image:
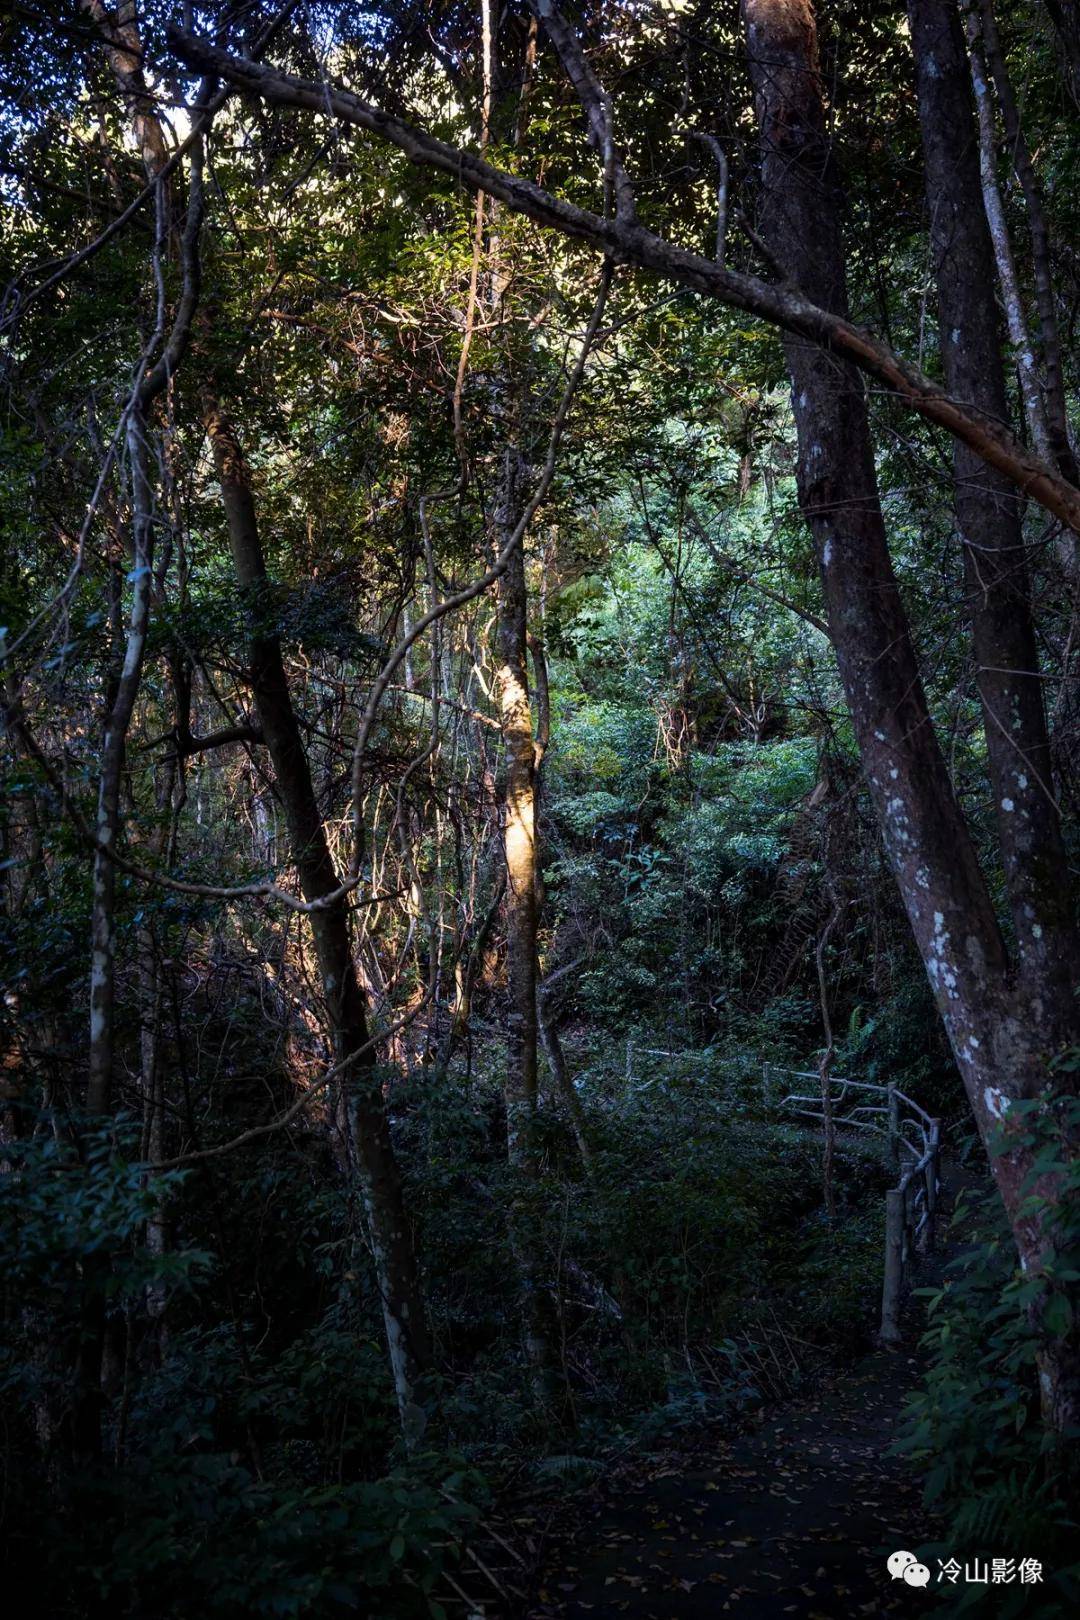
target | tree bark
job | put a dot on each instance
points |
(360, 1111)
(107, 824)
(564, 1084)
(999, 1046)
(519, 839)
(519, 845)
(989, 514)
(547, 1022)
(170, 794)
(123, 48)
(361, 1115)
(1053, 383)
(994, 207)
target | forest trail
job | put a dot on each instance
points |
(794, 1519)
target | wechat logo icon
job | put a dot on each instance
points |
(904, 1566)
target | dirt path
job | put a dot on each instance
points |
(796, 1519)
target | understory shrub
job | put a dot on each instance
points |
(1002, 1487)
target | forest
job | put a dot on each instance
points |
(539, 786)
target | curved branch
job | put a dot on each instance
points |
(631, 243)
(595, 103)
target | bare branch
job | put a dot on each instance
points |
(630, 243)
(289, 1114)
(719, 157)
(596, 106)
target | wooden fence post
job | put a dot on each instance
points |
(911, 1203)
(932, 1185)
(894, 1267)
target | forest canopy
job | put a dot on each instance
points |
(541, 753)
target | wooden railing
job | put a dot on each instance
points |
(913, 1138)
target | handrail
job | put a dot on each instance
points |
(910, 1219)
(889, 1089)
(910, 1205)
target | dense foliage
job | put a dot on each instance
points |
(441, 776)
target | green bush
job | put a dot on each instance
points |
(1001, 1486)
(228, 1484)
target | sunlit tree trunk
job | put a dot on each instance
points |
(519, 843)
(519, 839)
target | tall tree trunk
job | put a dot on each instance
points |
(519, 842)
(169, 797)
(83, 1422)
(989, 518)
(1015, 315)
(120, 33)
(996, 1037)
(124, 52)
(519, 838)
(361, 1114)
(547, 1022)
(110, 781)
(1049, 334)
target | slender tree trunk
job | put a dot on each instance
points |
(989, 513)
(519, 843)
(1049, 334)
(467, 968)
(83, 1422)
(546, 1022)
(169, 795)
(519, 833)
(828, 1123)
(564, 1085)
(110, 781)
(361, 1116)
(997, 1034)
(152, 1086)
(124, 52)
(994, 207)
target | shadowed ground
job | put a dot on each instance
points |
(796, 1519)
